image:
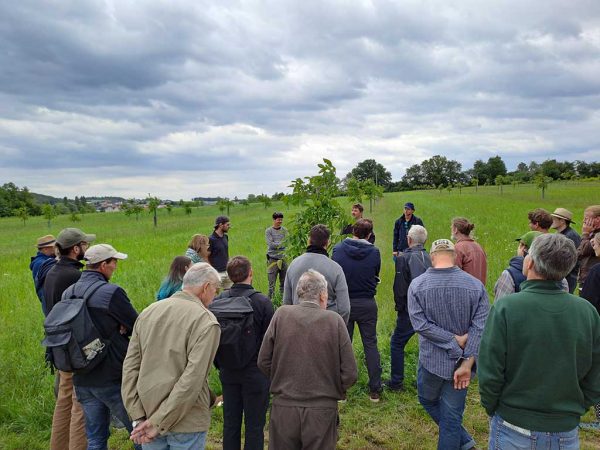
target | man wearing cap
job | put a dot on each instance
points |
(99, 391)
(68, 427)
(539, 363)
(219, 249)
(41, 264)
(401, 227)
(561, 222)
(447, 308)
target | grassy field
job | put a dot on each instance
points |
(398, 422)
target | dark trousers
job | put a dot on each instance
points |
(363, 312)
(298, 428)
(400, 338)
(246, 393)
(273, 270)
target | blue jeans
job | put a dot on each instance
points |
(505, 436)
(98, 403)
(402, 334)
(178, 441)
(445, 405)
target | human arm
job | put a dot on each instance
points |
(288, 292)
(478, 319)
(590, 384)
(462, 375)
(429, 330)
(265, 354)
(591, 287)
(348, 368)
(201, 349)
(585, 245)
(342, 298)
(271, 245)
(396, 237)
(492, 360)
(504, 286)
(401, 284)
(121, 309)
(131, 371)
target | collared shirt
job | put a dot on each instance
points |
(444, 303)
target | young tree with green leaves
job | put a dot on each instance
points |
(265, 200)
(22, 213)
(541, 181)
(153, 203)
(49, 213)
(354, 190)
(372, 192)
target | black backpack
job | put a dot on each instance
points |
(73, 343)
(239, 342)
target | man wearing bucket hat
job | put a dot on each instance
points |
(68, 427)
(561, 222)
(41, 264)
(448, 308)
(99, 390)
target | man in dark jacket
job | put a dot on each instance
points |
(219, 249)
(68, 427)
(409, 265)
(245, 390)
(401, 227)
(357, 214)
(561, 222)
(41, 263)
(360, 260)
(99, 390)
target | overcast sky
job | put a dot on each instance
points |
(195, 98)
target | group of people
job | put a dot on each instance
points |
(536, 351)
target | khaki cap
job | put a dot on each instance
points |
(73, 236)
(102, 252)
(442, 245)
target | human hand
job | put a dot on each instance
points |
(144, 433)
(462, 376)
(394, 253)
(462, 340)
(587, 226)
(218, 401)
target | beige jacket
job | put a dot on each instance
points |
(165, 372)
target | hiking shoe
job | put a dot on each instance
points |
(393, 387)
(590, 426)
(375, 397)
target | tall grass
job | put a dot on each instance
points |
(398, 422)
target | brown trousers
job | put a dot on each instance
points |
(68, 422)
(297, 428)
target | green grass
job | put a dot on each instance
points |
(397, 422)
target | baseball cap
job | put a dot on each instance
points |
(102, 252)
(72, 236)
(46, 241)
(409, 205)
(221, 219)
(528, 238)
(442, 245)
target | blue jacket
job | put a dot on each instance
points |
(361, 262)
(40, 265)
(401, 227)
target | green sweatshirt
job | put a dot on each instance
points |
(539, 358)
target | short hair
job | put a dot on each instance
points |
(362, 228)
(199, 274)
(319, 235)
(553, 255)
(541, 217)
(310, 286)
(358, 206)
(418, 234)
(65, 251)
(462, 225)
(277, 215)
(238, 268)
(198, 241)
(594, 209)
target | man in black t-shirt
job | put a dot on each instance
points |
(219, 249)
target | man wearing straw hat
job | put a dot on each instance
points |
(41, 263)
(561, 222)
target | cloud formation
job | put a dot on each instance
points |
(230, 98)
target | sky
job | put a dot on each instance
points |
(182, 99)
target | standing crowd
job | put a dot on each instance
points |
(536, 351)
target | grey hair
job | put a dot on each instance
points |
(310, 286)
(553, 255)
(418, 234)
(199, 274)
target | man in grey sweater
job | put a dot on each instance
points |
(276, 263)
(316, 258)
(308, 375)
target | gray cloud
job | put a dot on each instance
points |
(235, 97)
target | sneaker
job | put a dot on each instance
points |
(393, 387)
(375, 397)
(590, 426)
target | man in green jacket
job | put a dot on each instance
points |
(539, 358)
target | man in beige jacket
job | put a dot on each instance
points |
(165, 388)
